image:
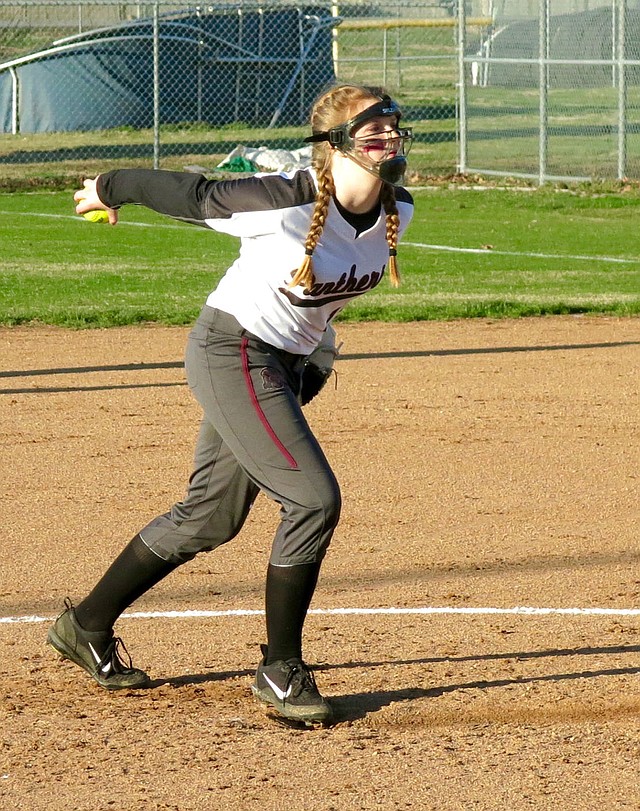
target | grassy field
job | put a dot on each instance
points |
(468, 253)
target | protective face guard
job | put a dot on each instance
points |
(389, 167)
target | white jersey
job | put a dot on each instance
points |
(271, 215)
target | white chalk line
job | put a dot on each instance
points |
(83, 222)
(531, 254)
(427, 246)
(242, 612)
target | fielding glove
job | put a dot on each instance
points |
(318, 366)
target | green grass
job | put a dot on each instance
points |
(59, 269)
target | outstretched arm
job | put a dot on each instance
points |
(194, 198)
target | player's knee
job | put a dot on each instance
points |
(323, 520)
(330, 506)
(306, 530)
(179, 541)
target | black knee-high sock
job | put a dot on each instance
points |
(288, 596)
(133, 572)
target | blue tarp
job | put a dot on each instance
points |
(214, 69)
(6, 95)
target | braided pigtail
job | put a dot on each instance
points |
(388, 198)
(304, 274)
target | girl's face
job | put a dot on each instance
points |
(376, 144)
(377, 139)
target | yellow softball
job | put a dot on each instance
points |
(96, 216)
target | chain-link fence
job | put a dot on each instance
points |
(542, 89)
(86, 85)
(553, 91)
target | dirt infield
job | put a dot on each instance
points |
(483, 465)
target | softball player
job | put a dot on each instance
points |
(310, 241)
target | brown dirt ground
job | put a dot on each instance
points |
(483, 464)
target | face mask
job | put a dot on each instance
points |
(384, 153)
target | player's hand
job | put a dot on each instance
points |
(87, 199)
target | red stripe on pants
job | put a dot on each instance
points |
(261, 415)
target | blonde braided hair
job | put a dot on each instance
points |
(326, 190)
(330, 110)
(388, 198)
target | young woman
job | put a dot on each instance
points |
(310, 242)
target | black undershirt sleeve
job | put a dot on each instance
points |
(194, 198)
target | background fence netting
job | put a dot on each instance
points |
(543, 89)
(90, 84)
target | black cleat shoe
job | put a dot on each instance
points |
(290, 689)
(97, 652)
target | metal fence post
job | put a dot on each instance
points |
(543, 81)
(335, 45)
(462, 91)
(385, 32)
(156, 86)
(614, 43)
(622, 89)
(15, 105)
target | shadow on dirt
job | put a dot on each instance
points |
(136, 367)
(190, 679)
(355, 706)
(358, 705)
(488, 657)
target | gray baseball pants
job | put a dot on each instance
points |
(253, 437)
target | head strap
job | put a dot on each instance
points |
(338, 135)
